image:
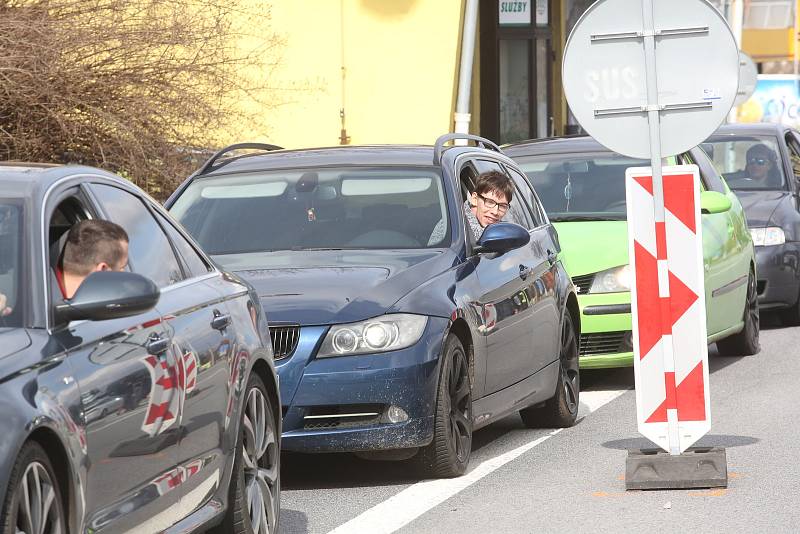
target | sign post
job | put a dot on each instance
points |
(651, 79)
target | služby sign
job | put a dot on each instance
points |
(518, 12)
(514, 12)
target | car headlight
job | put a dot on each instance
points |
(381, 334)
(614, 280)
(765, 237)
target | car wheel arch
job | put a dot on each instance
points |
(460, 328)
(56, 452)
(574, 310)
(262, 369)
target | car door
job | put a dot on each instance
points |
(508, 285)
(793, 142)
(196, 321)
(545, 332)
(209, 435)
(725, 260)
(130, 432)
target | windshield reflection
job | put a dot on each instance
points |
(581, 187)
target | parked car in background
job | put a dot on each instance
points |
(147, 401)
(394, 331)
(761, 163)
(582, 187)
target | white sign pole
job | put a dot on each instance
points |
(658, 195)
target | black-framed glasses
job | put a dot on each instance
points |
(492, 204)
(757, 161)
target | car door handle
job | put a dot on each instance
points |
(157, 345)
(552, 257)
(524, 271)
(220, 321)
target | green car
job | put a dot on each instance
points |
(582, 186)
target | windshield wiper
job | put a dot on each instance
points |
(573, 218)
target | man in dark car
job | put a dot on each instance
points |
(761, 168)
(92, 245)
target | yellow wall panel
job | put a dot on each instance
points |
(401, 64)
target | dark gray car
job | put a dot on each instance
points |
(761, 164)
(148, 401)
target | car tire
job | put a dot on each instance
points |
(791, 316)
(561, 410)
(33, 472)
(745, 343)
(254, 494)
(448, 454)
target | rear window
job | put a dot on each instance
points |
(10, 265)
(313, 209)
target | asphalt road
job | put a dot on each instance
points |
(527, 481)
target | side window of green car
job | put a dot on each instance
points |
(709, 178)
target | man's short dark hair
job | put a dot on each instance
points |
(760, 149)
(494, 181)
(91, 242)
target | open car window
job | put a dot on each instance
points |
(11, 232)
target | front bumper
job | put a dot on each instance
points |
(605, 330)
(778, 275)
(342, 404)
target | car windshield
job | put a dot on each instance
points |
(10, 258)
(313, 209)
(747, 162)
(580, 187)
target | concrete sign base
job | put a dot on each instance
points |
(697, 467)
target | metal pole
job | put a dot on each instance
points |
(462, 116)
(658, 199)
(736, 21)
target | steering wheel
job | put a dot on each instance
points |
(384, 239)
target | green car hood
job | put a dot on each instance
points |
(592, 246)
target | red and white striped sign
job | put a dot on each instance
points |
(669, 319)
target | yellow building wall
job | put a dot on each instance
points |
(769, 44)
(400, 62)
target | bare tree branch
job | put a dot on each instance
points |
(135, 86)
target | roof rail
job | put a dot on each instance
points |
(439, 147)
(207, 166)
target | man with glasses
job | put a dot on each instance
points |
(487, 204)
(762, 167)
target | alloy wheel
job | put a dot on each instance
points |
(38, 511)
(260, 458)
(752, 307)
(460, 406)
(568, 363)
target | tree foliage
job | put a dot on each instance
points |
(140, 87)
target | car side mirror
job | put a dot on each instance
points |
(109, 295)
(502, 237)
(714, 202)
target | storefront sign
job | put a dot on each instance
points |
(776, 99)
(515, 12)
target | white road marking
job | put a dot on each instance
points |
(399, 510)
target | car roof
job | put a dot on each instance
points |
(751, 128)
(555, 145)
(420, 155)
(18, 179)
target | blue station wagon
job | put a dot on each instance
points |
(395, 333)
